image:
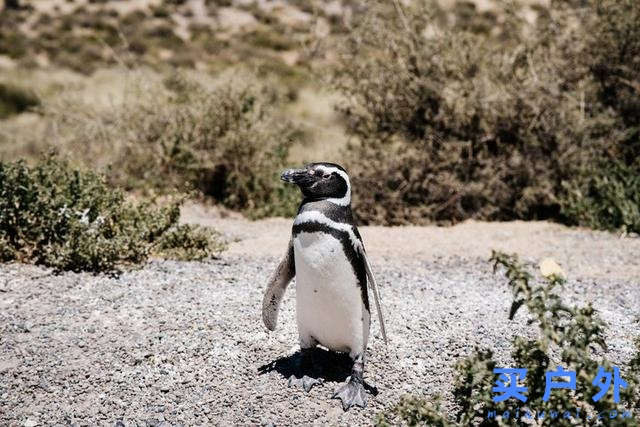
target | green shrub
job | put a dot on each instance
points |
(188, 242)
(572, 335)
(606, 197)
(70, 219)
(14, 100)
(451, 122)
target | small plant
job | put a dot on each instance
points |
(606, 196)
(188, 242)
(569, 336)
(69, 219)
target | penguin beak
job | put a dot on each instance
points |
(295, 176)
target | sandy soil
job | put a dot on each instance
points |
(582, 253)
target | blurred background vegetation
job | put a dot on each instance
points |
(440, 110)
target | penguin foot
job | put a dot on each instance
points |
(306, 382)
(351, 394)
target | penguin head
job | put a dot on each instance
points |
(321, 181)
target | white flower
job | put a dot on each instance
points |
(548, 268)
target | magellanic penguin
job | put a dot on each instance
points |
(328, 259)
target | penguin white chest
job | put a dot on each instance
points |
(328, 297)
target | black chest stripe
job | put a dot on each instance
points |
(332, 211)
(355, 259)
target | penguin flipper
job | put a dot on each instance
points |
(275, 288)
(376, 296)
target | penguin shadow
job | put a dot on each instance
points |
(327, 365)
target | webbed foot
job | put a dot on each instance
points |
(306, 382)
(351, 394)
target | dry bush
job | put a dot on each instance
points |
(15, 99)
(606, 193)
(225, 139)
(453, 123)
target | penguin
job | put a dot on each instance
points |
(328, 259)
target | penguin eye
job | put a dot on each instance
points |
(326, 176)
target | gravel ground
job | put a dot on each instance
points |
(183, 342)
